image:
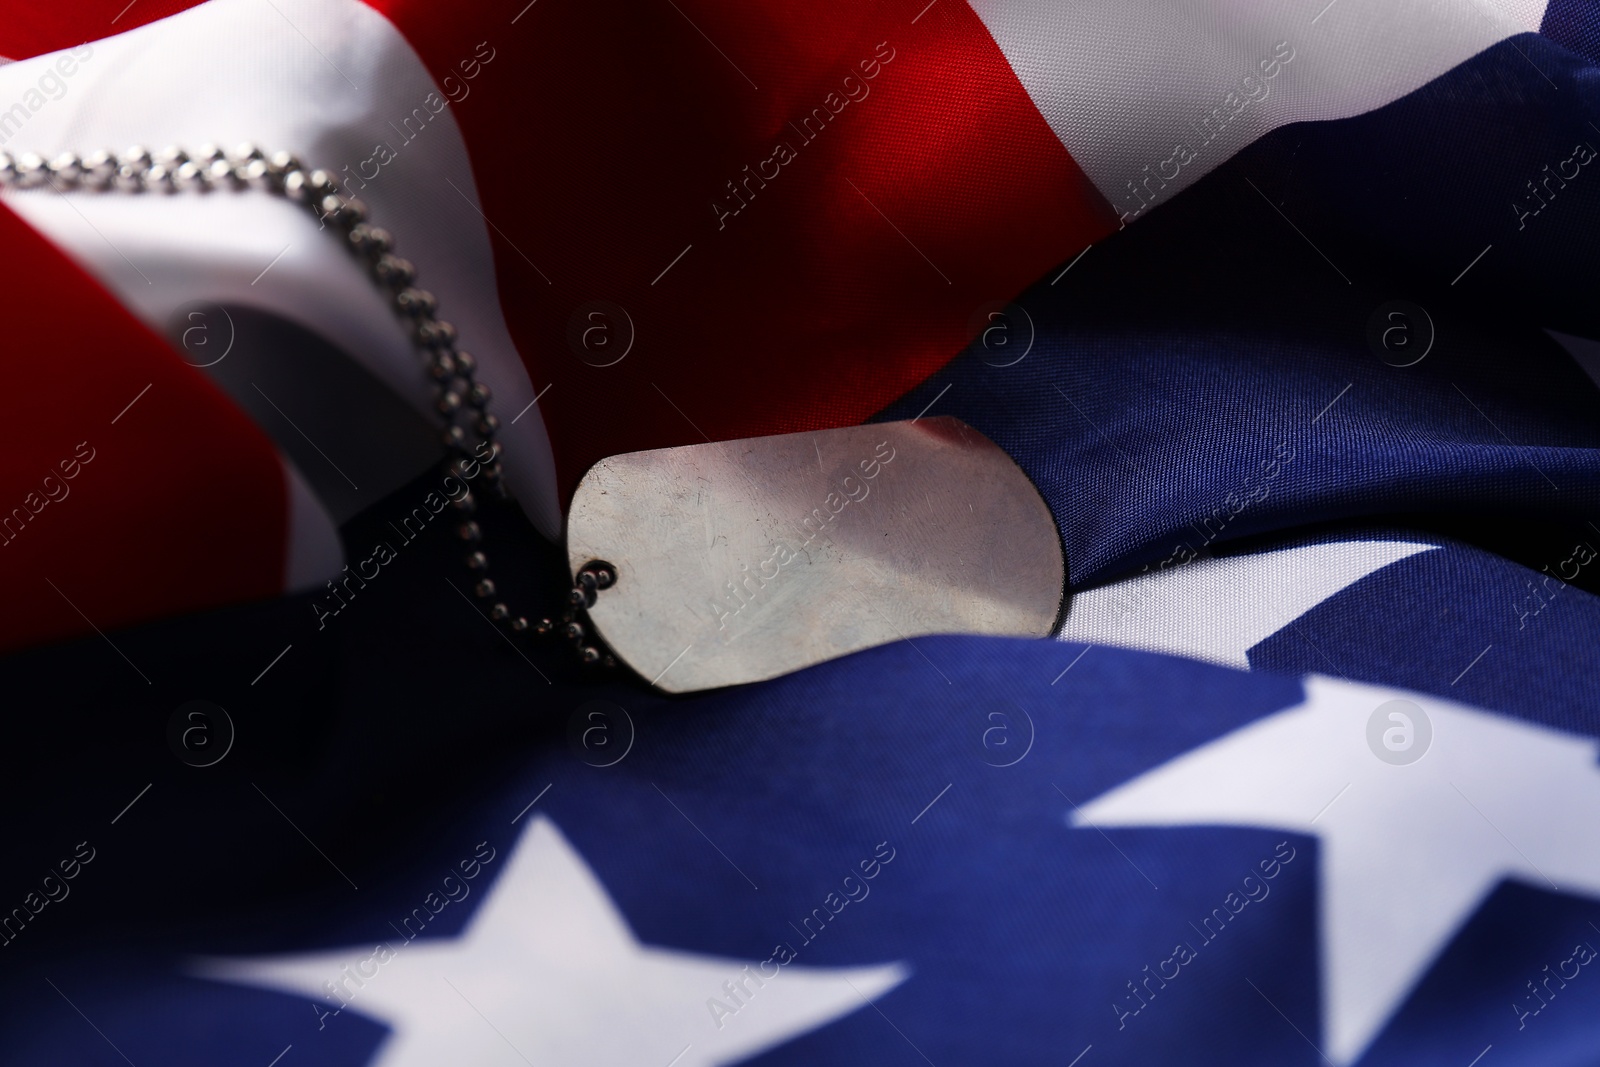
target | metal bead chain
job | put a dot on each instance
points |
(459, 399)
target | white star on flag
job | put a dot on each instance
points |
(547, 971)
(1408, 852)
(1217, 609)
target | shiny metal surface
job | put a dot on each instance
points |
(743, 560)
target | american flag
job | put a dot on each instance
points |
(1287, 309)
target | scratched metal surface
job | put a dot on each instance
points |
(743, 560)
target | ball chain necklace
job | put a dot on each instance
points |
(458, 396)
(723, 563)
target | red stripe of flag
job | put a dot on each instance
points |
(604, 136)
(131, 488)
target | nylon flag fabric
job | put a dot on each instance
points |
(1287, 309)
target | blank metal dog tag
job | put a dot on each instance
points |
(743, 560)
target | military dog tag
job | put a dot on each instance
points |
(743, 560)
